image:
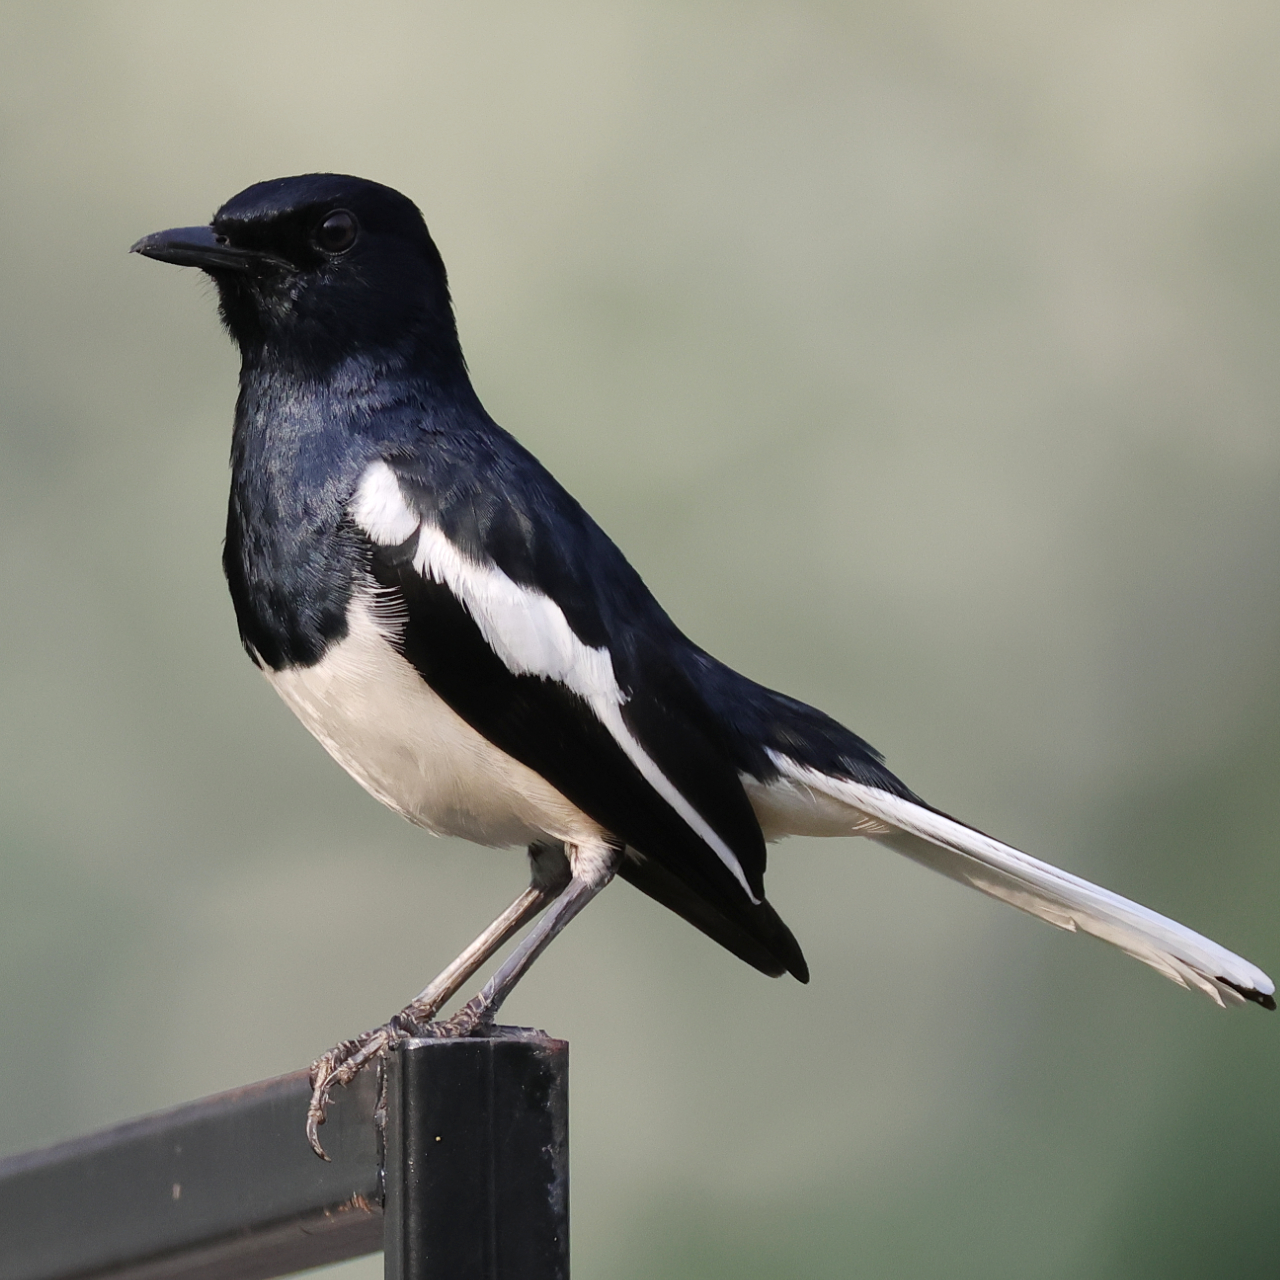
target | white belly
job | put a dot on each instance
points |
(384, 725)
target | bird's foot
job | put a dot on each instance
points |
(474, 1018)
(345, 1061)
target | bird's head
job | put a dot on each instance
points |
(320, 268)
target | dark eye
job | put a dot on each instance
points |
(337, 232)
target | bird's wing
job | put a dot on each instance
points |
(523, 617)
(975, 859)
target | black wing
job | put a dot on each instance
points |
(654, 765)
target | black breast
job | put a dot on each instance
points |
(291, 558)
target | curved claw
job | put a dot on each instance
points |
(323, 1070)
(315, 1118)
(340, 1066)
(321, 1075)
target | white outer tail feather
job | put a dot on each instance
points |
(1062, 899)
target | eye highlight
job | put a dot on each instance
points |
(336, 233)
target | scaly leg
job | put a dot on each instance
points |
(549, 875)
(590, 874)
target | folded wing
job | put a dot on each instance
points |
(560, 662)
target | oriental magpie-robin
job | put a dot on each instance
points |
(470, 646)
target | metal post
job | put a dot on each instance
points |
(477, 1159)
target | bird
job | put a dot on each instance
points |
(471, 647)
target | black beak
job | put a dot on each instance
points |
(202, 247)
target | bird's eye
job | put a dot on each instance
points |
(337, 232)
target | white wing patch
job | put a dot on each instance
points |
(526, 629)
(379, 507)
(1062, 899)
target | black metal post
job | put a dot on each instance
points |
(477, 1159)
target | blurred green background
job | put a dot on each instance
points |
(923, 357)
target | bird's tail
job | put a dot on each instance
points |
(975, 859)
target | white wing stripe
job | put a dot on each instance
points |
(527, 630)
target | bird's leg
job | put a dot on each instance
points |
(592, 871)
(549, 876)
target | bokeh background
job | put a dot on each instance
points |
(923, 357)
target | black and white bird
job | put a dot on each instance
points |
(471, 647)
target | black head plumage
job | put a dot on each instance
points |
(320, 268)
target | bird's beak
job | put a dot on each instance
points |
(202, 247)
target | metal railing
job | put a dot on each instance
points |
(466, 1177)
